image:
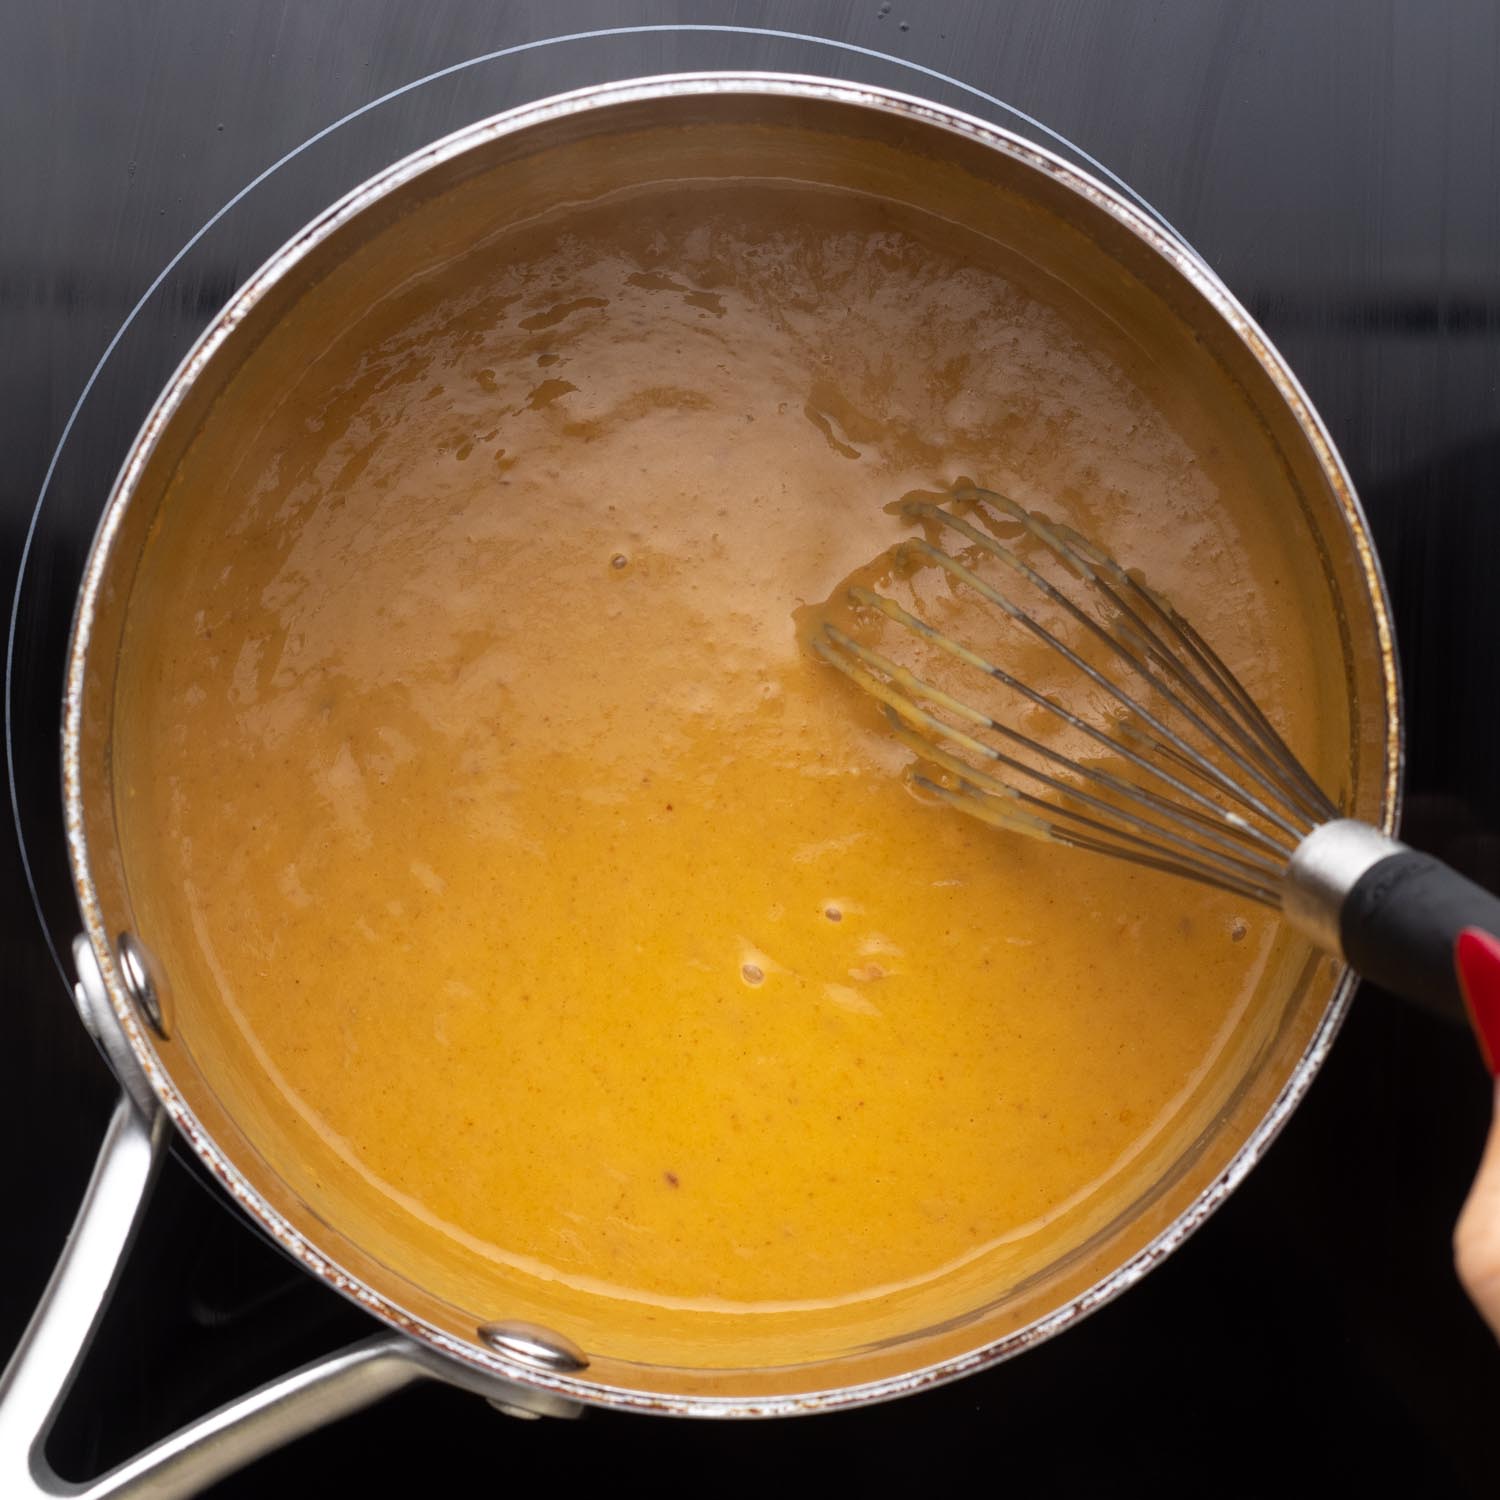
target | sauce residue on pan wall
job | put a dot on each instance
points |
(541, 899)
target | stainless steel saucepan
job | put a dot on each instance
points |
(652, 130)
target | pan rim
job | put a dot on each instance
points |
(1179, 257)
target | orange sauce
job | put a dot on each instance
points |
(549, 903)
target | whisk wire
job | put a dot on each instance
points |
(917, 688)
(1241, 715)
(1261, 758)
(1203, 766)
(1234, 862)
(1144, 854)
(1228, 811)
(1281, 760)
(996, 549)
(900, 691)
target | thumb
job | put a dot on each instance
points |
(1476, 1239)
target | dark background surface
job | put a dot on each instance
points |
(1338, 164)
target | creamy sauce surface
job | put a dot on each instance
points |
(502, 836)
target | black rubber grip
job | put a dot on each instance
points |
(1402, 918)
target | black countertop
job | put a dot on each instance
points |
(1337, 163)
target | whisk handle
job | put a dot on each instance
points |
(1404, 920)
(1402, 926)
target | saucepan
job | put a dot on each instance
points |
(568, 148)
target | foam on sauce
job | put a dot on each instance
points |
(571, 936)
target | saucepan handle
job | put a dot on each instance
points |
(44, 1364)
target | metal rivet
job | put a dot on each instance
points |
(531, 1344)
(521, 1413)
(138, 972)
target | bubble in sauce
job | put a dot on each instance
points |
(833, 914)
(752, 973)
(619, 560)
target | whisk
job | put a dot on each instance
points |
(1139, 743)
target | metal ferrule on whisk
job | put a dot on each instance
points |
(1325, 867)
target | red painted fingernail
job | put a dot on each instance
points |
(1476, 956)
